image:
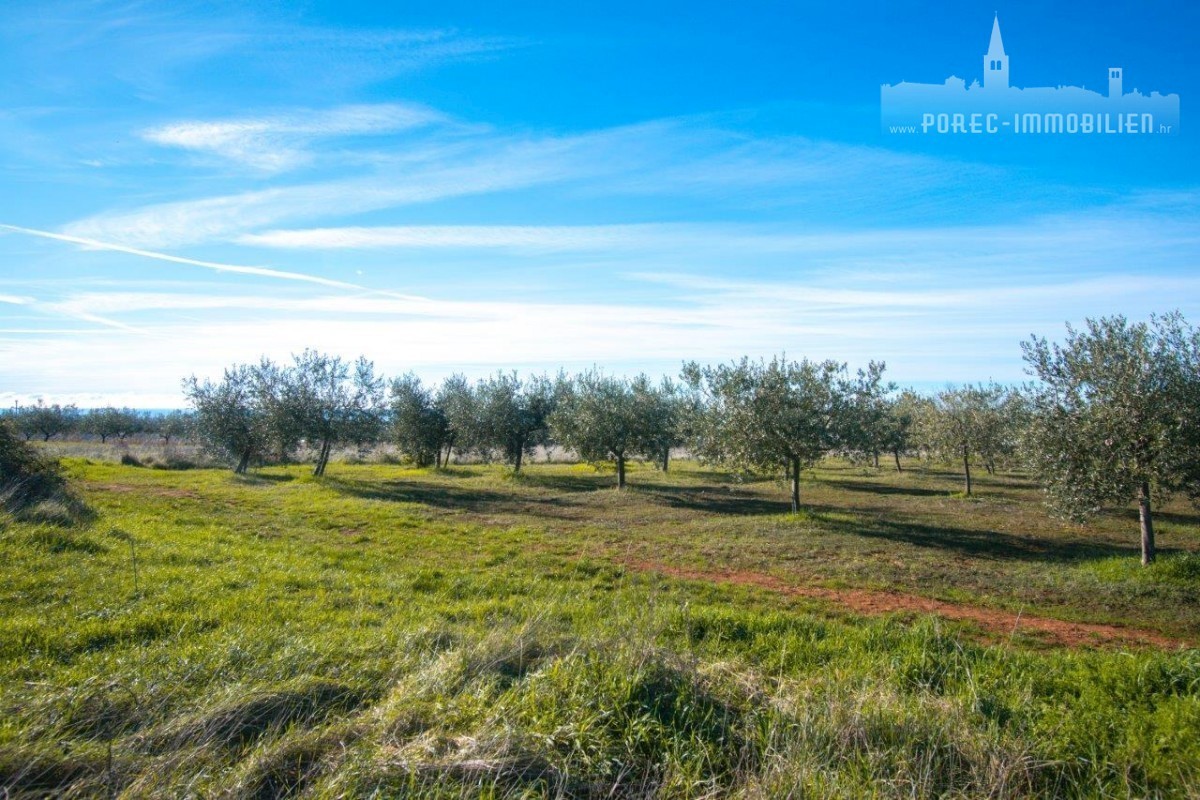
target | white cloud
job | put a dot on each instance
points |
(279, 142)
(448, 171)
(1000, 294)
(60, 46)
(708, 302)
(1080, 237)
(925, 334)
(517, 237)
(665, 158)
(80, 313)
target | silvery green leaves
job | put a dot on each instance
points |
(769, 416)
(1115, 416)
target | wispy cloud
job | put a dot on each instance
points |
(279, 142)
(815, 298)
(700, 318)
(692, 162)
(1111, 242)
(453, 170)
(517, 237)
(79, 312)
(662, 158)
(340, 55)
(1098, 236)
(157, 47)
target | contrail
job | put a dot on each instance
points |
(214, 265)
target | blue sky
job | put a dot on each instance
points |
(459, 186)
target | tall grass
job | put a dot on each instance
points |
(288, 637)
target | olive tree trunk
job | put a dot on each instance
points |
(794, 469)
(1147, 523)
(967, 469)
(323, 458)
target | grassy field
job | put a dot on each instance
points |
(391, 632)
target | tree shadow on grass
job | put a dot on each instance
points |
(884, 488)
(574, 482)
(456, 471)
(571, 503)
(263, 478)
(718, 501)
(719, 477)
(472, 499)
(976, 543)
(1026, 484)
(1175, 517)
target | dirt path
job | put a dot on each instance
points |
(1000, 623)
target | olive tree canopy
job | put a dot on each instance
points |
(603, 418)
(418, 423)
(44, 420)
(966, 423)
(230, 415)
(513, 413)
(1116, 415)
(330, 401)
(318, 399)
(769, 416)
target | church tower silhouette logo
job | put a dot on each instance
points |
(996, 107)
(995, 62)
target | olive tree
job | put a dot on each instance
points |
(459, 404)
(283, 414)
(108, 421)
(46, 421)
(230, 415)
(1003, 427)
(331, 401)
(418, 424)
(964, 423)
(602, 418)
(865, 424)
(899, 423)
(512, 413)
(769, 416)
(1114, 416)
(667, 410)
(174, 425)
(19, 421)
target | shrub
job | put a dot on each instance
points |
(26, 477)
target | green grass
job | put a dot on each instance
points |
(396, 633)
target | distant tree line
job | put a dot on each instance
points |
(1113, 415)
(43, 422)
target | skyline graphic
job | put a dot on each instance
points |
(996, 106)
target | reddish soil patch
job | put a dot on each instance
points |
(994, 621)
